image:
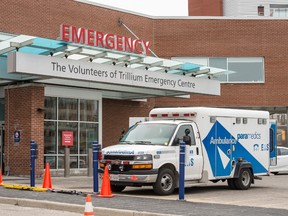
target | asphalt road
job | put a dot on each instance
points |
(266, 197)
(270, 192)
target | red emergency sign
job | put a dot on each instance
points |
(67, 138)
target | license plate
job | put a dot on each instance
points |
(114, 177)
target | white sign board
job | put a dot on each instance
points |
(49, 66)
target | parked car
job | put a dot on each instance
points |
(282, 161)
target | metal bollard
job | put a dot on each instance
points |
(182, 170)
(32, 162)
(90, 163)
(96, 148)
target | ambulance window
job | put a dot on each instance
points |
(245, 120)
(238, 120)
(181, 133)
(212, 119)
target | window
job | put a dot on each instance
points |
(279, 10)
(69, 114)
(245, 120)
(283, 151)
(260, 10)
(181, 133)
(235, 69)
(238, 120)
(2, 109)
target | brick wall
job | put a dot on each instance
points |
(21, 114)
(205, 8)
(169, 37)
(116, 115)
(230, 38)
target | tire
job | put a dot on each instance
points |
(117, 188)
(165, 183)
(245, 179)
(231, 184)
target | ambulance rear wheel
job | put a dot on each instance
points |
(117, 188)
(165, 183)
(245, 179)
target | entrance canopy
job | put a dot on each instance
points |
(118, 75)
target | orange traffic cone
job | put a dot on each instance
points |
(88, 206)
(47, 183)
(1, 177)
(106, 187)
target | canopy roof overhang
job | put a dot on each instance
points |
(105, 57)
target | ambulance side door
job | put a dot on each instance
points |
(193, 152)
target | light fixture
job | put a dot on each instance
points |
(146, 68)
(184, 73)
(90, 59)
(40, 109)
(66, 56)
(126, 65)
(114, 63)
(120, 21)
(166, 71)
(51, 53)
(17, 49)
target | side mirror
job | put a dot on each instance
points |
(122, 134)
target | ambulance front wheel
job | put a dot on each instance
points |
(245, 179)
(165, 183)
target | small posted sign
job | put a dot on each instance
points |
(67, 138)
(17, 136)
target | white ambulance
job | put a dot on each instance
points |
(221, 144)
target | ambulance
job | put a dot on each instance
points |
(221, 144)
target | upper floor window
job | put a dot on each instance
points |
(279, 10)
(235, 69)
(260, 10)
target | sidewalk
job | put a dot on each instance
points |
(78, 183)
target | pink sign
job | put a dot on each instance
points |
(67, 138)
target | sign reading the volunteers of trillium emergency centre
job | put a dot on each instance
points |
(49, 66)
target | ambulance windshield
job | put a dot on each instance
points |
(149, 134)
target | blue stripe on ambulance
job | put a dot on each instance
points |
(220, 160)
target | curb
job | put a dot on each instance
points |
(98, 211)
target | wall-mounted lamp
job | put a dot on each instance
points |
(51, 53)
(114, 63)
(90, 59)
(166, 71)
(17, 49)
(120, 21)
(66, 56)
(40, 109)
(184, 73)
(126, 65)
(146, 68)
